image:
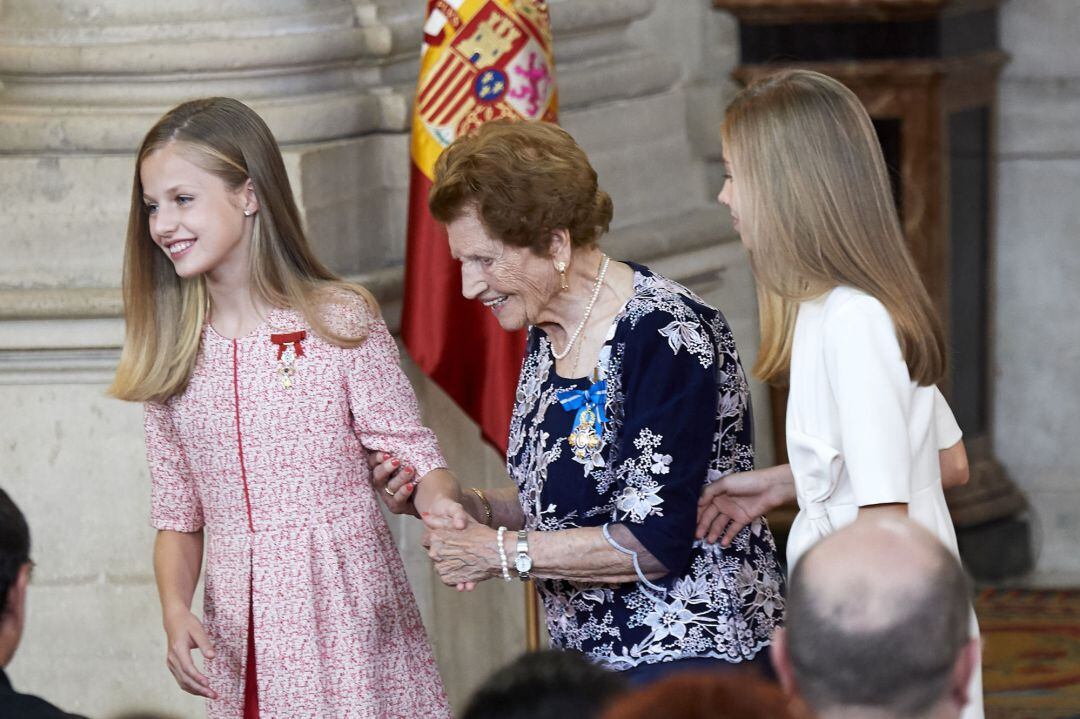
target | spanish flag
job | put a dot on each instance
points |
(481, 60)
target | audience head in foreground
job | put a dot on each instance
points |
(14, 576)
(706, 696)
(878, 625)
(551, 684)
(15, 568)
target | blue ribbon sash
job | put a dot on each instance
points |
(586, 400)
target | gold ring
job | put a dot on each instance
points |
(388, 491)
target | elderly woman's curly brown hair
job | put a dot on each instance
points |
(525, 180)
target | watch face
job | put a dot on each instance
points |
(523, 563)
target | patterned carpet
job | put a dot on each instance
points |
(1031, 656)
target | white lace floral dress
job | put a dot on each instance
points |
(676, 415)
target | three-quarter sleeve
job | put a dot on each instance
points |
(174, 499)
(669, 384)
(872, 387)
(386, 415)
(945, 426)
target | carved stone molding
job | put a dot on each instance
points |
(92, 77)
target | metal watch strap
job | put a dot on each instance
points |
(523, 551)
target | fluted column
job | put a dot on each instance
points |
(80, 84)
(91, 76)
(83, 81)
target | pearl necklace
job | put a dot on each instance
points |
(588, 310)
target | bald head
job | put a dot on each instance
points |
(869, 574)
(877, 616)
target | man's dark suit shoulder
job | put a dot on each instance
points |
(26, 706)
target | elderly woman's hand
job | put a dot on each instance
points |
(463, 555)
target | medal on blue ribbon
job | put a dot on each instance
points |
(589, 420)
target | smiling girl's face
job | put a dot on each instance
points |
(195, 218)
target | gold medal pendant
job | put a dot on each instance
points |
(584, 440)
(286, 373)
(287, 367)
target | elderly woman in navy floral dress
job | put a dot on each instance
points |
(631, 398)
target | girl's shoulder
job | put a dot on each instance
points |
(345, 309)
(853, 318)
(844, 304)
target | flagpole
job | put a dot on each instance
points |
(532, 618)
(473, 69)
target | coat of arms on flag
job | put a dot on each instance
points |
(483, 60)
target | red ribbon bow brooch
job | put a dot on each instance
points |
(289, 348)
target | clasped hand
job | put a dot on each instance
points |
(463, 551)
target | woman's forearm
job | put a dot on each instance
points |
(782, 484)
(440, 483)
(881, 511)
(954, 466)
(505, 507)
(584, 554)
(434, 485)
(177, 564)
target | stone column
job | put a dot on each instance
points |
(1036, 337)
(82, 81)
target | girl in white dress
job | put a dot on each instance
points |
(845, 320)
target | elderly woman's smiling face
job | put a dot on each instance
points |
(514, 282)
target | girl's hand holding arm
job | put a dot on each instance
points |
(177, 563)
(732, 502)
(407, 472)
(407, 495)
(393, 482)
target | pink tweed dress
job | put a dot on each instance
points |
(278, 478)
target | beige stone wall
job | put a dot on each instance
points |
(81, 81)
(1036, 396)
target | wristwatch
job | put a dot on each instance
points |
(523, 562)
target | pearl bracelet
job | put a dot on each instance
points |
(502, 555)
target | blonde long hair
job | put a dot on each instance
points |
(164, 314)
(817, 212)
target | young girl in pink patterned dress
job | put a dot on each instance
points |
(264, 379)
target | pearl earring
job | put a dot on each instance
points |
(248, 213)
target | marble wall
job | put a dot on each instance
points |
(1037, 335)
(82, 80)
